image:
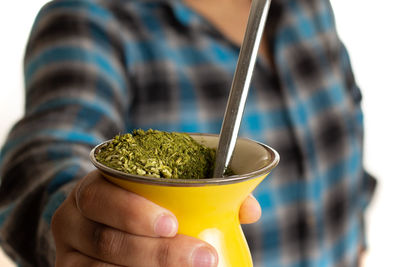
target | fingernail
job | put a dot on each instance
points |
(203, 257)
(165, 226)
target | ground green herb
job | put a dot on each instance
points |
(158, 154)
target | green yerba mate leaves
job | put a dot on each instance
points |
(158, 154)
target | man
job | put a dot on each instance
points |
(98, 68)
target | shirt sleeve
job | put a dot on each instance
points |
(368, 183)
(76, 97)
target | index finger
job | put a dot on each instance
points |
(106, 203)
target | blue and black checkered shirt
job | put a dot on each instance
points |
(96, 68)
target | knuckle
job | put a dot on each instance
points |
(98, 264)
(162, 254)
(56, 222)
(76, 259)
(107, 241)
(61, 261)
(68, 261)
(85, 196)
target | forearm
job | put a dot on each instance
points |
(75, 98)
(38, 172)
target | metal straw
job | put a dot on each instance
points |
(240, 85)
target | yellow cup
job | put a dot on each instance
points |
(207, 208)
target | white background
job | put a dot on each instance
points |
(371, 32)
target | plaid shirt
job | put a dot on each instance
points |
(98, 68)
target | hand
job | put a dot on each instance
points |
(101, 224)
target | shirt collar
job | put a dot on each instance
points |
(183, 14)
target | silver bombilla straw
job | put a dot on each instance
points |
(240, 85)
